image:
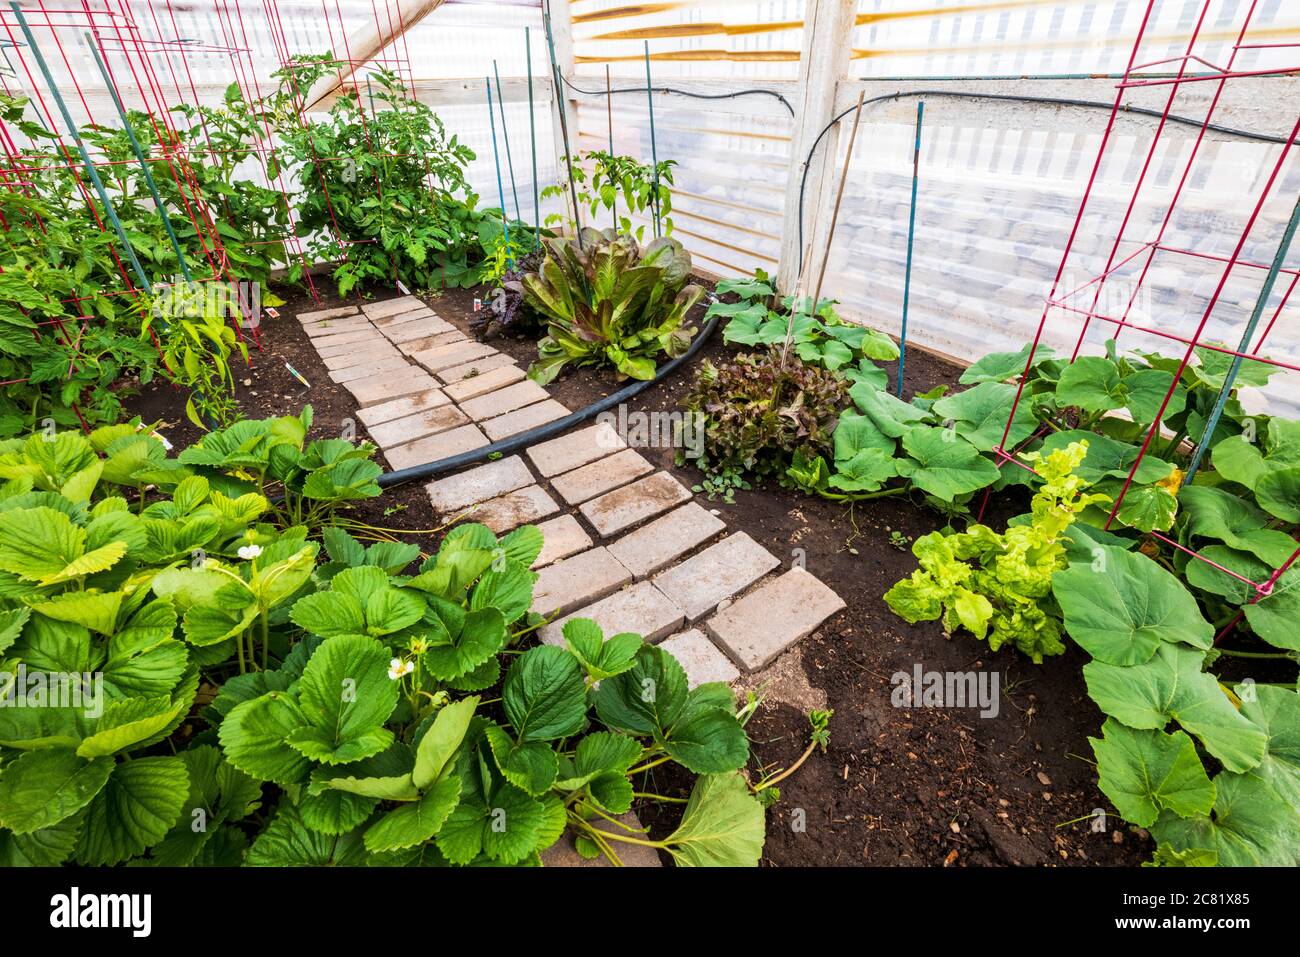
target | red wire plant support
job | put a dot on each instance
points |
(88, 62)
(1189, 68)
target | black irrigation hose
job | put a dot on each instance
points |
(516, 442)
(698, 96)
(1048, 100)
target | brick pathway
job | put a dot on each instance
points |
(624, 544)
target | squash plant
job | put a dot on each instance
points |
(1223, 787)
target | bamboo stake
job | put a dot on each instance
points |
(839, 198)
(557, 86)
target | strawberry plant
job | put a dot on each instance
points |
(125, 601)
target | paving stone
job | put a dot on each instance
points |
(513, 509)
(716, 573)
(491, 404)
(601, 476)
(564, 853)
(642, 609)
(341, 345)
(458, 353)
(577, 581)
(423, 329)
(334, 327)
(666, 539)
(364, 353)
(561, 537)
(575, 449)
(627, 506)
(386, 386)
(432, 448)
(400, 408)
(319, 314)
(391, 307)
(410, 315)
(479, 484)
(772, 617)
(395, 365)
(521, 420)
(700, 658)
(484, 382)
(412, 427)
(412, 346)
(476, 367)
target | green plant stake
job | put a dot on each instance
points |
(1265, 291)
(505, 228)
(911, 231)
(81, 147)
(557, 84)
(532, 141)
(139, 155)
(654, 149)
(505, 134)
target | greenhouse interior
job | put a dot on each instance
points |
(372, 368)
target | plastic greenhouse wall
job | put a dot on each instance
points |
(999, 181)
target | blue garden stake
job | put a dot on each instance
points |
(654, 149)
(81, 148)
(501, 189)
(911, 231)
(140, 156)
(1207, 435)
(505, 135)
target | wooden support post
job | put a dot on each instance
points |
(823, 65)
(561, 98)
(369, 42)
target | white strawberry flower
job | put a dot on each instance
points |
(249, 552)
(397, 668)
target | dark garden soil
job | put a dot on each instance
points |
(897, 786)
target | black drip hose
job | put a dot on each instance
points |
(1012, 97)
(524, 439)
(668, 89)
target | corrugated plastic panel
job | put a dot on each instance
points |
(994, 211)
(1050, 37)
(734, 163)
